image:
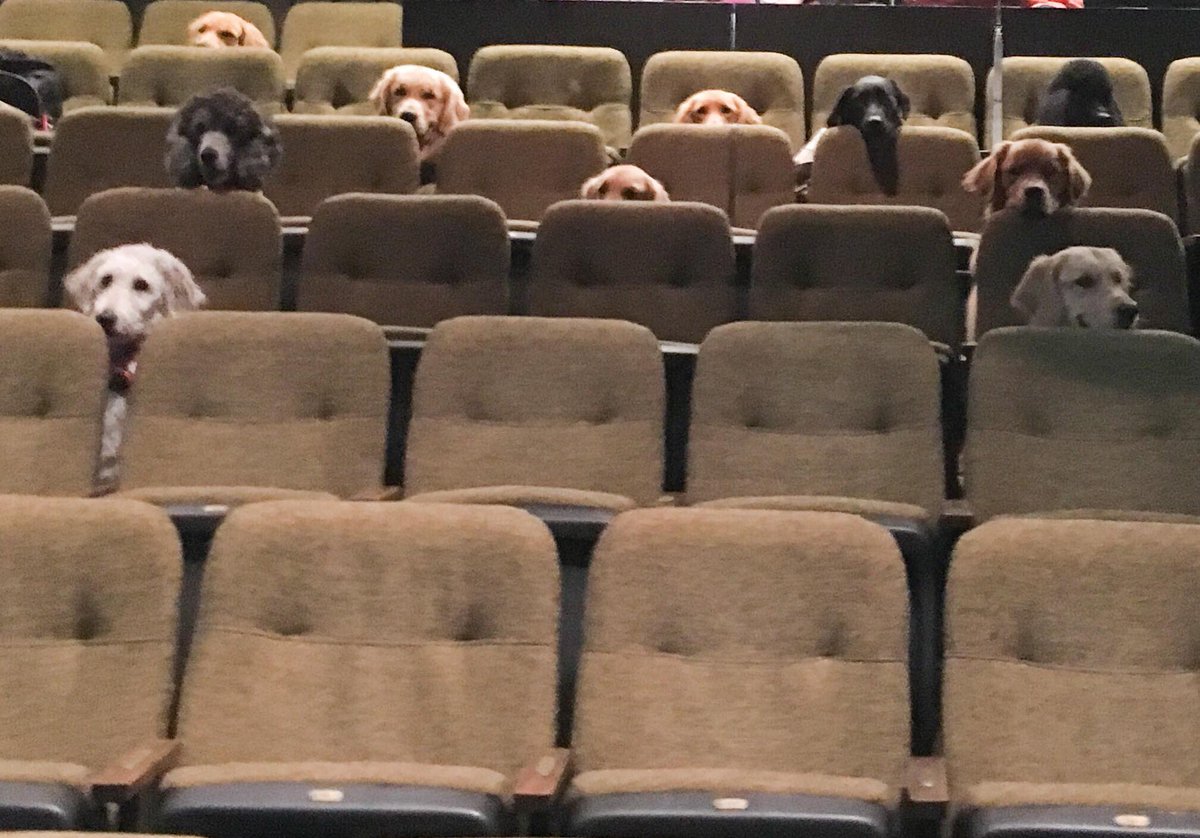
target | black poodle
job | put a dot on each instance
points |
(219, 140)
(877, 107)
(1081, 95)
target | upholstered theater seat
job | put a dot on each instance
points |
(337, 24)
(16, 147)
(165, 22)
(340, 79)
(1181, 105)
(167, 76)
(105, 23)
(24, 248)
(82, 67)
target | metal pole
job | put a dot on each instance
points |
(996, 82)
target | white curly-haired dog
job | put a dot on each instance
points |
(128, 289)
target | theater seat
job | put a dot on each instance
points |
(167, 76)
(1181, 105)
(16, 147)
(24, 248)
(83, 69)
(165, 22)
(337, 24)
(105, 23)
(340, 79)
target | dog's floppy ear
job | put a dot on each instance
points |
(591, 186)
(902, 101)
(182, 293)
(454, 105)
(1078, 179)
(685, 107)
(252, 36)
(1037, 295)
(660, 191)
(379, 93)
(837, 116)
(80, 284)
(982, 178)
(746, 114)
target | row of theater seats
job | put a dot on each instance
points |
(390, 669)
(411, 261)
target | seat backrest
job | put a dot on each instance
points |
(1094, 616)
(447, 255)
(105, 23)
(1130, 167)
(931, 161)
(53, 384)
(337, 24)
(25, 240)
(167, 76)
(1149, 242)
(940, 88)
(16, 147)
(340, 79)
(668, 266)
(83, 69)
(231, 242)
(133, 139)
(283, 400)
(1181, 105)
(165, 22)
(556, 402)
(773, 642)
(88, 632)
(372, 154)
(770, 82)
(836, 409)
(893, 264)
(1027, 77)
(588, 84)
(1083, 419)
(522, 165)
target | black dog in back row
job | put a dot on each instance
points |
(877, 107)
(219, 140)
(1081, 95)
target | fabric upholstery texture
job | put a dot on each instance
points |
(340, 79)
(770, 82)
(866, 507)
(668, 266)
(268, 399)
(530, 401)
(16, 147)
(372, 154)
(25, 240)
(527, 495)
(846, 410)
(165, 22)
(1147, 241)
(436, 276)
(1082, 419)
(587, 84)
(406, 643)
(53, 385)
(931, 161)
(337, 24)
(220, 495)
(940, 88)
(742, 650)
(858, 263)
(167, 76)
(232, 242)
(105, 23)
(1094, 616)
(82, 67)
(1181, 105)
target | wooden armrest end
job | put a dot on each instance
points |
(122, 780)
(925, 783)
(540, 783)
(381, 494)
(957, 516)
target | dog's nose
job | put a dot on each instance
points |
(873, 124)
(1126, 314)
(208, 156)
(107, 322)
(410, 118)
(1035, 193)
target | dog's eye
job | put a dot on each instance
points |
(603, 189)
(400, 91)
(227, 35)
(726, 109)
(428, 95)
(1086, 281)
(140, 284)
(106, 280)
(203, 29)
(629, 193)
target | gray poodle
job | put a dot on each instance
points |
(219, 140)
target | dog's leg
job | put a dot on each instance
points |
(110, 442)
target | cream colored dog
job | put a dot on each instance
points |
(1078, 286)
(716, 107)
(624, 183)
(428, 100)
(225, 29)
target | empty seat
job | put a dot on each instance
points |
(522, 165)
(1181, 105)
(101, 148)
(413, 676)
(340, 79)
(16, 146)
(759, 689)
(669, 267)
(892, 264)
(1070, 701)
(53, 382)
(167, 76)
(445, 255)
(328, 155)
(770, 82)
(105, 23)
(940, 88)
(742, 169)
(232, 406)
(231, 242)
(165, 22)
(931, 163)
(1148, 241)
(1082, 419)
(337, 24)
(24, 248)
(588, 84)
(89, 601)
(530, 410)
(83, 69)
(1190, 175)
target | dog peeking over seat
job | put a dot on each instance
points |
(1037, 177)
(128, 289)
(221, 141)
(716, 107)
(1080, 95)
(1087, 287)
(225, 29)
(624, 183)
(427, 99)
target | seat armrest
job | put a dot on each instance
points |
(925, 786)
(956, 517)
(380, 494)
(124, 779)
(539, 784)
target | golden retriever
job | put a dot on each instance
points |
(427, 99)
(624, 183)
(1078, 286)
(225, 29)
(716, 107)
(1037, 177)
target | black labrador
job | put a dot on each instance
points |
(1081, 95)
(877, 107)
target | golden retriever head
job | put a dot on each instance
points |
(1036, 176)
(716, 107)
(225, 29)
(624, 183)
(1078, 286)
(427, 99)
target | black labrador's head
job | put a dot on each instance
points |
(876, 106)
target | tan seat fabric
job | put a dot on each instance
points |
(105, 23)
(337, 24)
(167, 76)
(1181, 105)
(25, 241)
(82, 67)
(16, 147)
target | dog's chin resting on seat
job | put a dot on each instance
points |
(221, 141)
(128, 289)
(1088, 287)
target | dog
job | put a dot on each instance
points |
(1079, 286)
(1081, 95)
(219, 140)
(427, 99)
(1037, 177)
(225, 29)
(716, 107)
(624, 183)
(128, 289)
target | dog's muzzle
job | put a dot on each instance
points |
(1034, 203)
(1126, 315)
(213, 151)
